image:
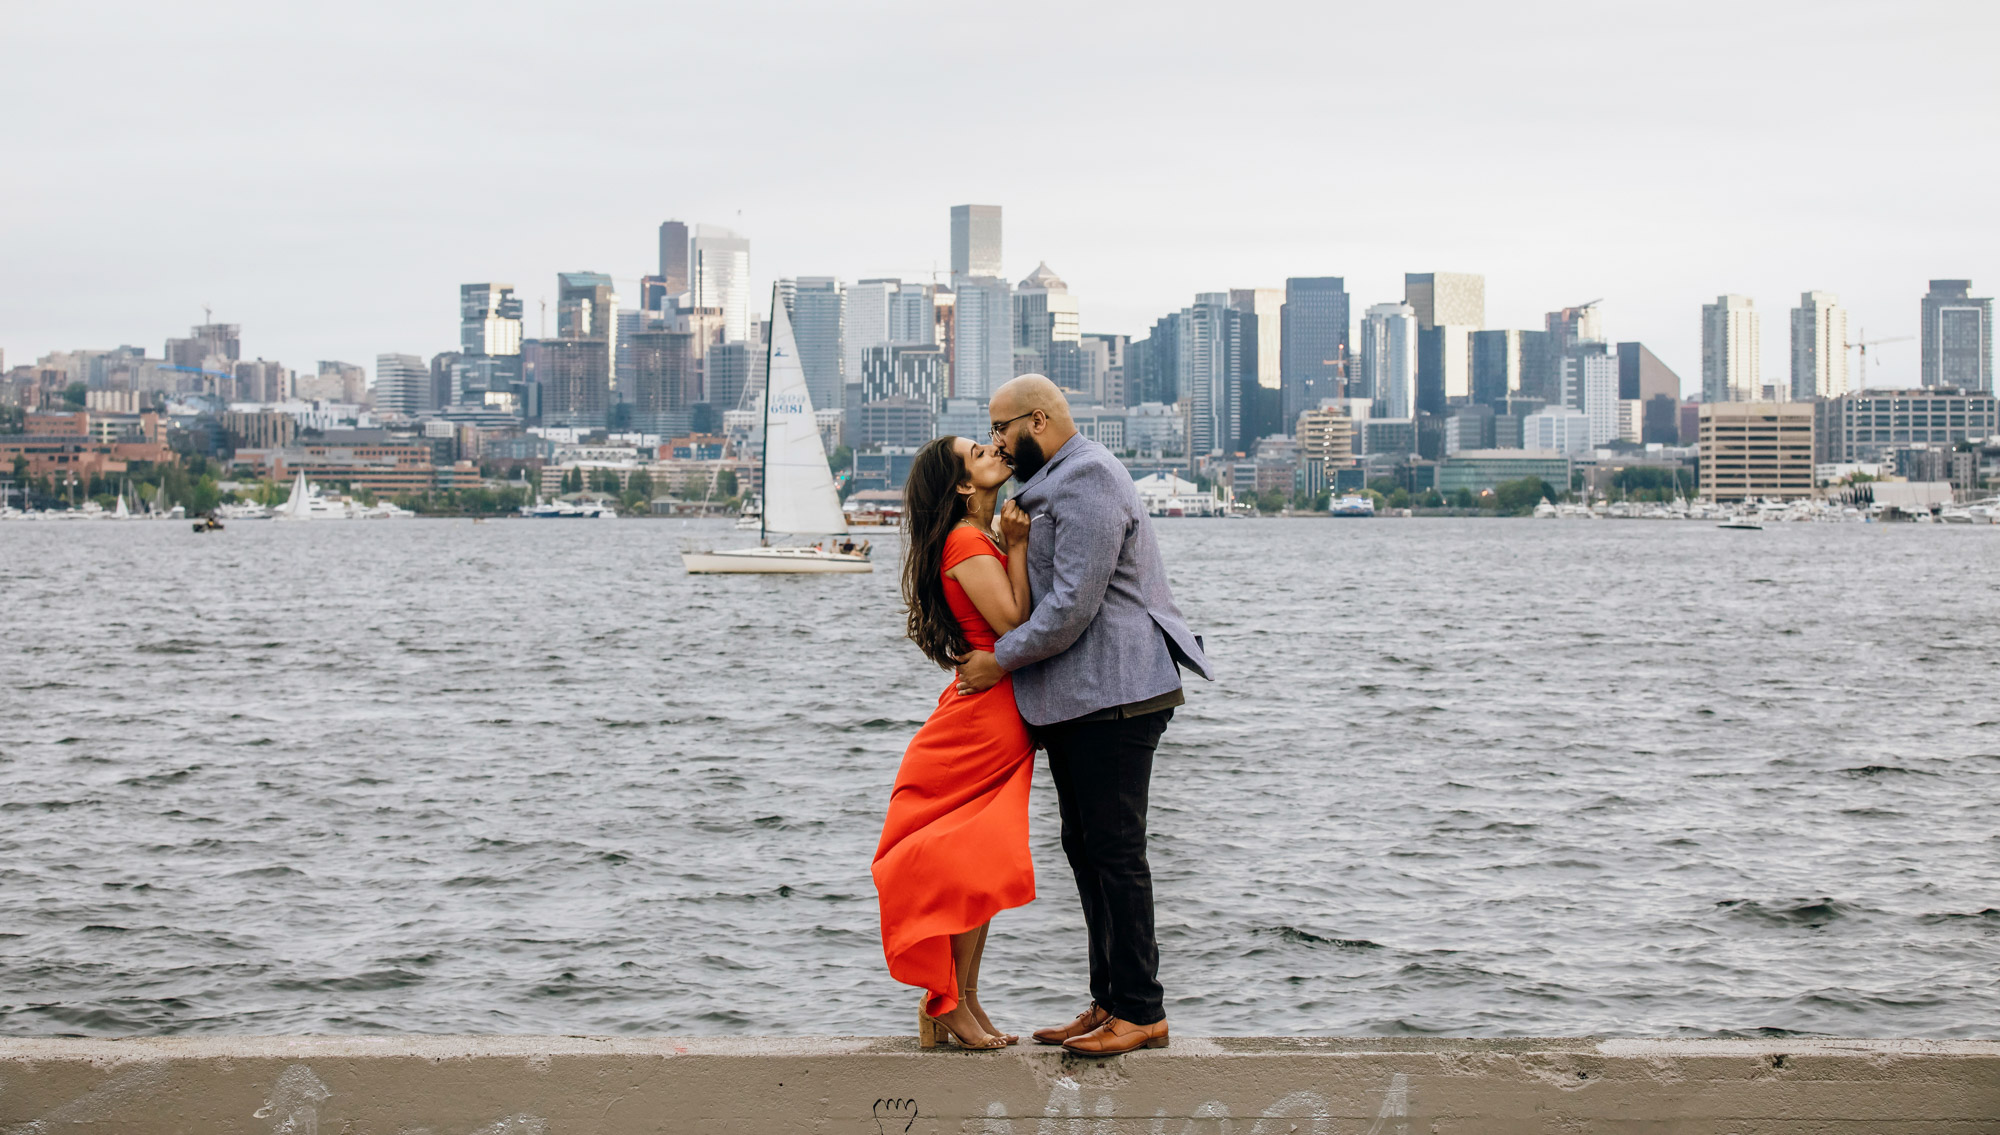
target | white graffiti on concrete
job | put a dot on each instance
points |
(1300, 1113)
(293, 1105)
(93, 1106)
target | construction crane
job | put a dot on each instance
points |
(1862, 344)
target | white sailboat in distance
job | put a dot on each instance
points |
(799, 495)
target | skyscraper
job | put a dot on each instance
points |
(1045, 314)
(975, 240)
(982, 335)
(866, 322)
(819, 320)
(1957, 337)
(402, 384)
(1389, 360)
(587, 311)
(1313, 343)
(1729, 347)
(1643, 378)
(1263, 363)
(663, 380)
(1819, 347)
(1497, 366)
(719, 276)
(1440, 298)
(674, 257)
(1210, 368)
(1573, 325)
(489, 319)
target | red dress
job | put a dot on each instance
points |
(954, 848)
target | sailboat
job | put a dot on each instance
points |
(299, 505)
(799, 497)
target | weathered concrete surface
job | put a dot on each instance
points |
(407, 1085)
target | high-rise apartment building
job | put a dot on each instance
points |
(975, 240)
(1449, 307)
(1643, 378)
(1589, 373)
(664, 383)
(913, 315)
(1388, 372)
(1109, 352)
(1868, 425)
(673, 257)
(489, 319)
(573, 377)
(210, 346)
(719, 276)
(1210, 372)
(913, 371)
(819, 323)
(1729, 351)
(1573, 325)
(982, 355)
(1497, 370)
(1045, 315)
(402, 384)
(1957, 337)
(1819, 347)
(1313, 328)
(1756, 449)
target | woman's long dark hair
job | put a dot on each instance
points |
(932, 507)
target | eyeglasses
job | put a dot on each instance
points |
(1000, 428)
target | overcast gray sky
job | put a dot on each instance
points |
(327, 175)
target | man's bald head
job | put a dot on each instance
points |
(1027, 393)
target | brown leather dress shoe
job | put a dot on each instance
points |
(1116, 1036)
(1087, 1020)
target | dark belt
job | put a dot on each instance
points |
(1168, 700)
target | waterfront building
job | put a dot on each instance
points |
(1385, 435)
(1957, 337)
(819, 322)
(1045, 315)
(982, 354)
(1480, 470)
(719, 276)
(975, 240)
(1388, 373)
(489, 319)
(1556, 429)
(1864, 426)
(402, 384)
(1729, 350)
(1325, 435)
(1819, 347)
(1756, 449)
(673, 275)
(1313, 328)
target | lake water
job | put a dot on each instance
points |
(1471, 777)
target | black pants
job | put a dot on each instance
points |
(1102, 770)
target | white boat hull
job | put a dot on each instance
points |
(766, 561)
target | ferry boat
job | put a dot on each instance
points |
(1352, 505)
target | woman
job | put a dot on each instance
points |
(954, 848)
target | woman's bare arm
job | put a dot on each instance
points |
(1000, 594)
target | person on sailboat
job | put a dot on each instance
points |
(954, 847)
(1095, 669)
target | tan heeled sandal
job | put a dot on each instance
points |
(930, 1031)
(972, 991)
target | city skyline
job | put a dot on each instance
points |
(102, 255)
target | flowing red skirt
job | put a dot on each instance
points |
(954, 848)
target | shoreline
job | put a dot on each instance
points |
(538, 1085)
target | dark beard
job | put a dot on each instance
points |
(1028, 458)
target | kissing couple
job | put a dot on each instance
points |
(1057, 617)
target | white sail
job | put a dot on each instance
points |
(299, 506)
(799, 495)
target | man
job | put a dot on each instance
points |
(1096, 676)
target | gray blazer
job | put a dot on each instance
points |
(1104, 631)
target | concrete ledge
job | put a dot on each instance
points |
(409, 1085)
